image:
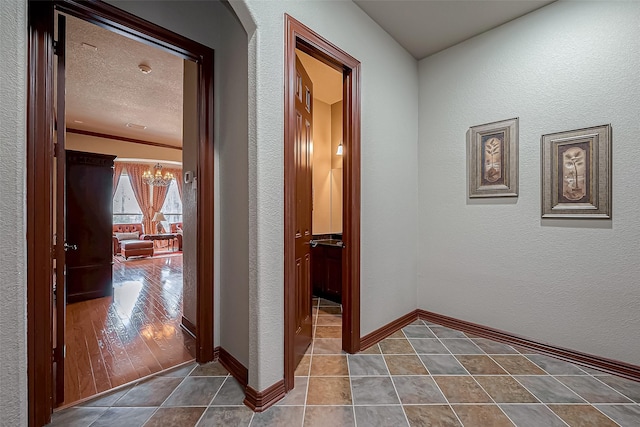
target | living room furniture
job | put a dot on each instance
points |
(158, 217)
(169, 237)
(136, 248)
(89, 208)
(176, 228)
(129, 240)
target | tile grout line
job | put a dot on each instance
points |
(485, 391)
(155, 408)
(353, 405)
(174, 390)
(546, 404)
(512, 377)
(313, 341)
(394, 384)
(212, 399)
(455, 414)
(612, 388)
(591, 404)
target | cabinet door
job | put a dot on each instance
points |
(318, 270)
(333, 288)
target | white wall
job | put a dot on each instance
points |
(571, 283)
(13, 260)
(234, 189)
(389, 169)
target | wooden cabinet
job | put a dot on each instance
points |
(88, 225)
(326, 272)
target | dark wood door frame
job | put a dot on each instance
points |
(40, 151)
(301, 37)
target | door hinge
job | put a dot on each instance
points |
(55, 149)
(56, 48)
(58, 354)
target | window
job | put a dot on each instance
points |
(125, 207)
(172, 208)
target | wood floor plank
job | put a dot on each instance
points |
(79, 365)
(100, 374)
(115, 340)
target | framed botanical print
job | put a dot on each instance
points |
(576, 173)
(493, 159)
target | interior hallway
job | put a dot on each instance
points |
(423, 375)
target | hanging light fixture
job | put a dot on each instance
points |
(340, 149)
(156, 178)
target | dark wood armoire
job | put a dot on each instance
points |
(88, 225)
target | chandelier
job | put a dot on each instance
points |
(156, 179)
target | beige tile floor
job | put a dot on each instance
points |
(424, 375)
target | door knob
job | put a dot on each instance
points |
(68, 247)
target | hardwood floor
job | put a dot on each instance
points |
(115, 340)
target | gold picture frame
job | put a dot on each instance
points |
(576, 173)
(493, 159)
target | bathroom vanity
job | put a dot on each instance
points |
(326, 268)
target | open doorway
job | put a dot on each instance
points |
(124, 103)
(46, 171)
(302, 42)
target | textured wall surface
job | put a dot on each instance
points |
(572, 283)
(389, 169)
(190, 137)
(234, 189)
(13, 284)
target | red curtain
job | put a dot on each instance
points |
(159, 194)
(142, 193)
(117, 171)
(177, 175)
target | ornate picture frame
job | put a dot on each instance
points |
(493, 159)
(576, 173)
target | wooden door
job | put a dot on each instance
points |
(303, 181)
(89, 219)
(59, 284)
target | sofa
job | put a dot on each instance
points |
(129, 240)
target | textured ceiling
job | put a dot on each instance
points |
(429, 26)
(327, 82)
(106, 90)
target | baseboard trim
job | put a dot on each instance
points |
(387, 330)
(259, 401)
(610, 366)
(231, 364)
(189, 327)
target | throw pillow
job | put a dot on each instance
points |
(127, 236)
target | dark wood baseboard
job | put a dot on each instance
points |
(610, 366)
(231, 364)
(259, 401)
(188, 326)
(387, 330)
